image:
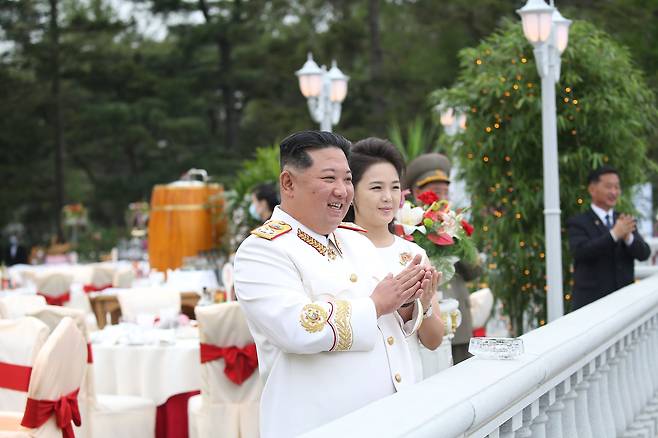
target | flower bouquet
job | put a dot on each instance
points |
(442, 232)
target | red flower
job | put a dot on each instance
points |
(399, 231)
(467, 227)
(441, 239)
(428, 197)
(430, 214)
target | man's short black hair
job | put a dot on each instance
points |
(596, 174)
(294, 148)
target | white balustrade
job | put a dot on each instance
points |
(592, 373)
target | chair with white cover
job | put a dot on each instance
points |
(227, 280)
(15, 306)
(102, 277)
(155, 301)
(54, 286)
(123, 277)
(103, 415)
(20, 342)
(57, 373)
(230, 394)
(481, 305)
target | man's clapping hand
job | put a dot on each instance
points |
(624, 225)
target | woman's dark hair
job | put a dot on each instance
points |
(269, 193)
(370, 151)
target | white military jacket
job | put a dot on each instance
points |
(322, 352)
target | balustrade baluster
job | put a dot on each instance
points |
(530, 412)
(538, 426)
(569, 427)
(616, 399)
(509, 427)
(582, 413)
(624, 382)
(604, 391)
(555, 427)
(594, 400)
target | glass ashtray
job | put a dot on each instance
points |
(496, 348)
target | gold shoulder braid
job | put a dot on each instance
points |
(343, 325)
(271, 230)
(322, 249)
(313, 318)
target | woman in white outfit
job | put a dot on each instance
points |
(377, 167)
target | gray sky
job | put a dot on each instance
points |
(152, 26)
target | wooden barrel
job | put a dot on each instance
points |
(186, 217)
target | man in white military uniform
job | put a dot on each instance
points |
(328, 325)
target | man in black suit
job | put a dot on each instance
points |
(14, 253)
(603, 243)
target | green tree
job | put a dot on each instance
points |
(605, 114)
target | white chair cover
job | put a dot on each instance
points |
(224, 409)
(152, 301)
(102, 274)
(227, 280)
(123, 277)
(481, 305)
(104, 415)
(20, 342)
(58, 371)
(15, 306)
(53, 284)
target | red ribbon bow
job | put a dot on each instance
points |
(91, 288)
(59, 300)
(240, 362)
(65, 409)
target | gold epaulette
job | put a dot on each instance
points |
(271, 230)
(352, 226)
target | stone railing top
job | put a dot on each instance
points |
(477, 396)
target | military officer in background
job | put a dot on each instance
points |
(429, 172)
(329, 326)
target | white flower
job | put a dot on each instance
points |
(410, 218)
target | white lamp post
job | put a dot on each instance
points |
(453, 121)
(548, 32)
(324, 91)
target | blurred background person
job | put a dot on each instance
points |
(429, 172)
(603, 242)
(14, 253)
(264, 198)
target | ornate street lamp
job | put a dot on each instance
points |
(548, 32)
(324, 91)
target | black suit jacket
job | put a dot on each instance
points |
(601, 265)
(19, 257)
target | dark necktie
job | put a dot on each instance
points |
(608, 221)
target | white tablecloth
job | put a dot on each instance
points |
(187, 281)
(156, 372)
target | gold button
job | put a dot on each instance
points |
(353, 278)
(398, 378)
(390, 340)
